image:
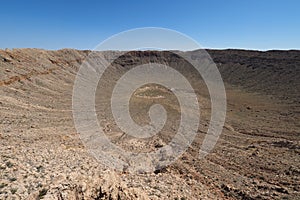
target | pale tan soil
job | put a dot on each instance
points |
(256, 157)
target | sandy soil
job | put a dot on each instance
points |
(256, 157)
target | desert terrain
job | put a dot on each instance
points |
(256, 157)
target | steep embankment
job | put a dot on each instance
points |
(272, 72)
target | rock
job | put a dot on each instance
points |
(6, 60)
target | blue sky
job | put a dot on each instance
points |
(246, 24)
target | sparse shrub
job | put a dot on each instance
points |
(39, 168)
(3, 185)
(9, 164)
(42, 193)
(12, 179)
(13, 190)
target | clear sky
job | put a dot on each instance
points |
(55, 24)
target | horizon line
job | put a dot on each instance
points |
(206, 48)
